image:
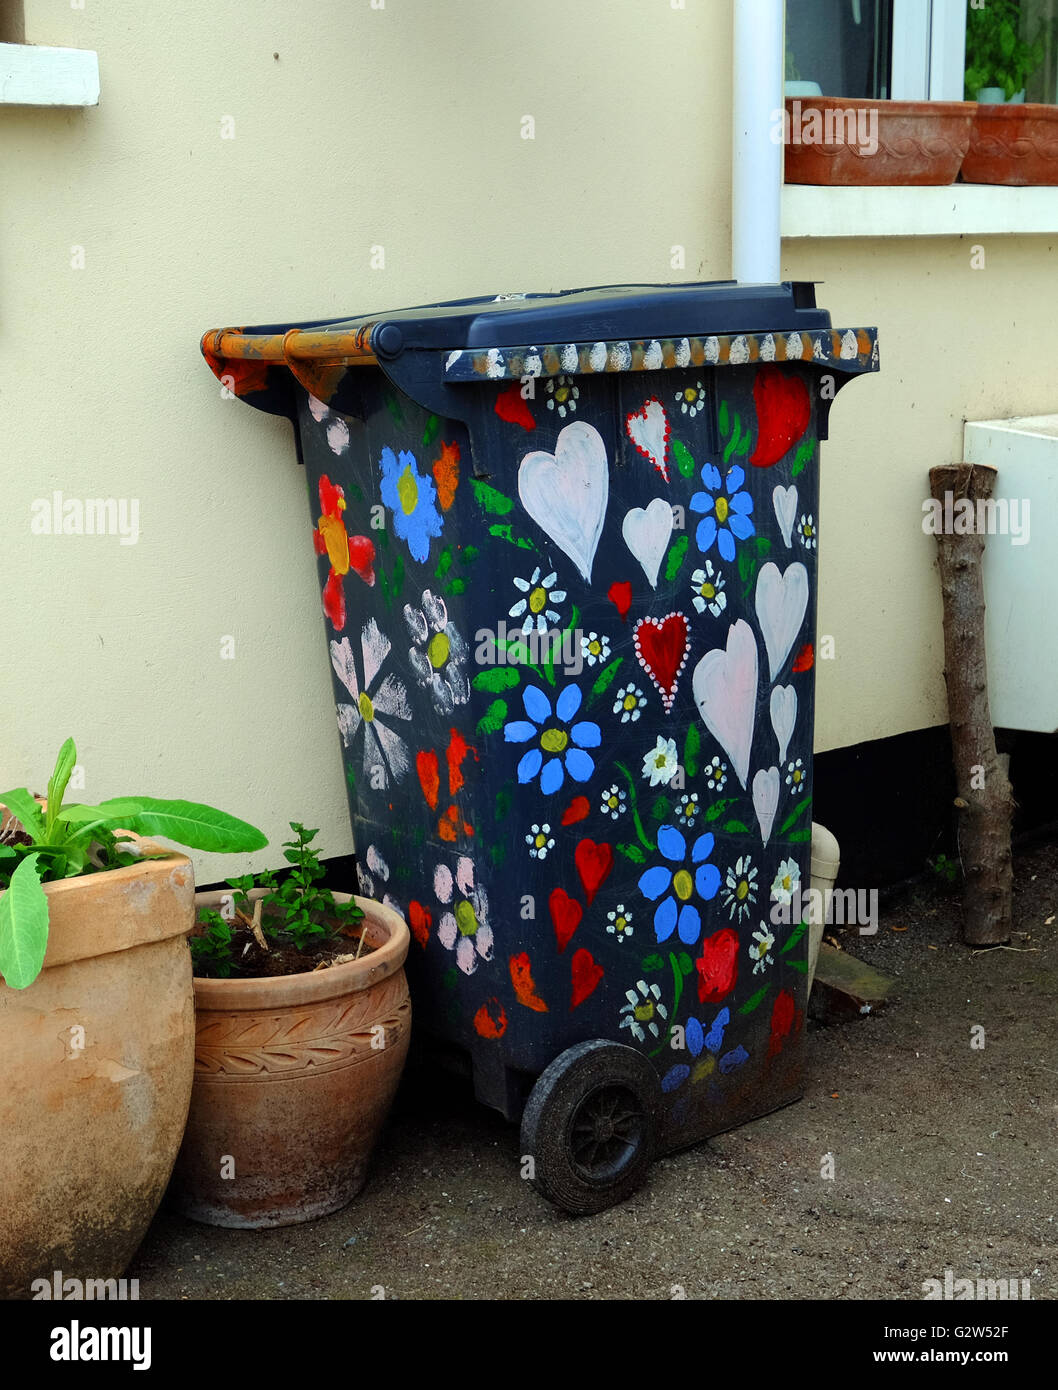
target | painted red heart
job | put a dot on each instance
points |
(578, 809)
(566, 913)
(427, 766)
(804, 658)
(783, 412)
(511, 407)
(594, 863)
(717, 966)
(620, 595)
(420, 919)
(586, 975)
(662, 651)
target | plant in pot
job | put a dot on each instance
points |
(998, 61)
(303, 1025)
(96, 1020)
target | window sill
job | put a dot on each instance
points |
(32, 75)
(971, 209)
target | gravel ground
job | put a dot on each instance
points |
(944, 1158)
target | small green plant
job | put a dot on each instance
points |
(43, 845)
(947, 870)
(296, 909)
(995, 55)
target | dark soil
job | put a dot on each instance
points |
(283, 957)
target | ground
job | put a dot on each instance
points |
(944, 1158)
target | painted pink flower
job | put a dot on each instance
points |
(464, 927)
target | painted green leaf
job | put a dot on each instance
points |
(802, 457)
(685, 963)
(800, 837)
(762, 545)
(794, 938)
(632, 852)
(469, 554)
(356, 492)
(495, 679)
(660, 808)
(393, 406)
(735, 827)
(457, 586)
(504, 799)
(722, 417)
(23, 926)
(504, 533)
(498, 853)
(676, 556)
(432, 430)
(691, 748)
(489, 499)
(755, 1000)
(719, 807)
(742, 447)
(606, 675)
(444, 563)
(801, 965)
(684, 462)
(493, 717)
(732, 443)
(653, 963)
(381, 536)
(450, 978)
(801, 806)
(398, 575)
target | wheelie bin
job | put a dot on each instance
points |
(567, 549)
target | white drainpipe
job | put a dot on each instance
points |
(757, 158)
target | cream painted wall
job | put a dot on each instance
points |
(398, 127)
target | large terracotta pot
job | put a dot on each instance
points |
(1013, 144)
(98, 1059)
(918, 142)
(294, 1078)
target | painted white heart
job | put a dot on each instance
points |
(648, 429)
(783, 716)
(784, 500)
(766, 799)
(566, 492)
(781, 602)
(725, 691)
(646, 532)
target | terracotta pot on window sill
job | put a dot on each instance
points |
(843, 140)
(1014, 144)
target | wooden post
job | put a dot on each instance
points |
(984, 798)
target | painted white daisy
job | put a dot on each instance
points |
(707, 589)
(370, 873)
(539, 841)
(562, 395)
(715, 774)
(594, 648)
(786, 881)
(763, 941)
(613, 802)
(688, 808)
(630, 703)
(439, 652)
(377, 701)
(535, 608)
(691, 399)
(740, 890)
(796, 777)
(619, 922)
(643, 1011)
(806, 532)
(661, 762)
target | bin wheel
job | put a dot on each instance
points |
(590, 1126)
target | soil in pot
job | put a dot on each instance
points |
(250, 961)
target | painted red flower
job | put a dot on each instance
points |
(717, 966)
(345, 552)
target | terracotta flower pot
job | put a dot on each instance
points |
(98, 1058)
(294, 1078)
(842, 140)
(1013, 144)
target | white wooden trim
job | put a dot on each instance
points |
(911, 48)
(36, 76)
(947, 50)
(960, 209)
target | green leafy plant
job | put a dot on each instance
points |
(294, 909)
(944, 868)
(995, 55)
(45, 844)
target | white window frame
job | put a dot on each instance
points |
(929, 50)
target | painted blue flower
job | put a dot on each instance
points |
(674, 886)
(411, 496)
(727, 516)
(555, 738)
(699, 1041)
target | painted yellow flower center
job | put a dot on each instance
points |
(722, 509)
(708, 590)
(332, 529)
(690, 395)
(620, 923)
(704, 1068)
(630, 702)
(644, 1012)
(786, 883)
(540, 841)
(466, 919)
(797, 776)
(562, 395)
(595, 647)
(683, 884)
(554, 740)
(611, 803)
(437, 650)
(367, 709)
(408, 491)
(659, 761)
(742, 891)
(537, 600)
